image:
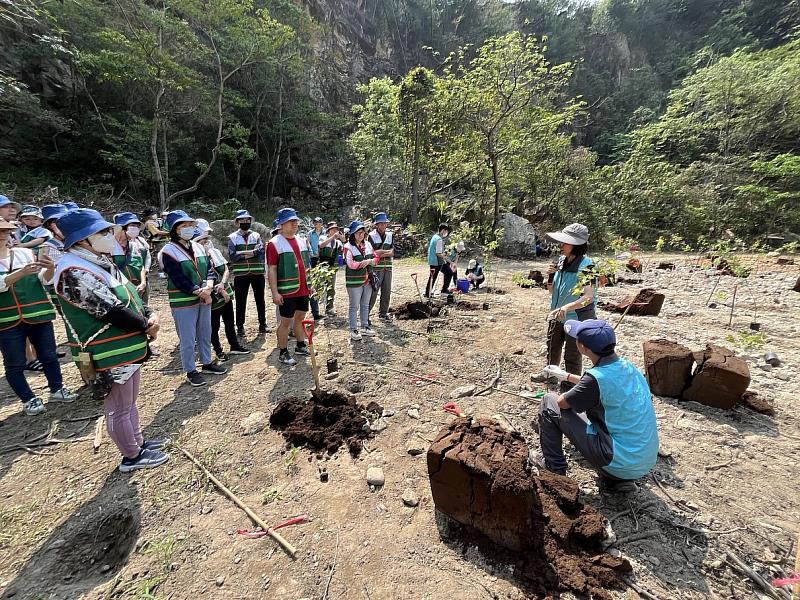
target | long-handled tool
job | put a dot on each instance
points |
(416, 283)
(308, 327)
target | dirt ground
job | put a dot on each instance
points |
(72, 526)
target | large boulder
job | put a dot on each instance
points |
(519, 237)
(720, 380)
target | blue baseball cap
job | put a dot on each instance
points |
(380, 218)
(77, 225)
(177, 216)
(126, 218)
(242, 214)
(4, 201)
(595, 334)
(53, 211)
(355, 226)
(285, 215)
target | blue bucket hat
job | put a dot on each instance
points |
(355, 226)
(275, 227)
(4, 201)
(53, 211)
(242, 214)
(77, 225)
(177, 216)
(595, 334)
(287, 214)
(202, 229)
(380, 218)
(71, 205)
(29, 210)
(126, 218)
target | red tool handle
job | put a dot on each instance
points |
(453, 409)
(308, 327)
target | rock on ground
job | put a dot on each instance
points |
(375, 476)
(254, 422)
(519, 237)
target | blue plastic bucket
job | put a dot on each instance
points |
(463, 285)
(341, 260)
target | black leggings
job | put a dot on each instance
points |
(241, 285)
(450, 275)
(225, 312)
(432, 280)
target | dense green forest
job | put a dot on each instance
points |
(671, 119)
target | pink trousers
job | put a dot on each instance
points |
(122, 417)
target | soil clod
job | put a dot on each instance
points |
(720, 380)
(646, 303)
(668, 367)
(414, 311)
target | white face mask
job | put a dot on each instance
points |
(186, 233)
(132, 232)
(102, 243)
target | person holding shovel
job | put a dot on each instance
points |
(109, 329)
(359, 256)
(608, 415)
(288, 262)
(436, 257)
(573, 296)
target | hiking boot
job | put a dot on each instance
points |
(196, 379)
(63, 395)
(221, 356)
(155, 444)
(214, 369)
(239, 350)
(355, 335)
(34, 407)
(263, 328)
(286, 358)
(147, 459)
(615, 486)
(368, 331)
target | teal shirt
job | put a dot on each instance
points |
(564, 283)
(433, 260)
(629, 418)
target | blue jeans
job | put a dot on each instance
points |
(193, 325)
(43, 340)
(359, 303)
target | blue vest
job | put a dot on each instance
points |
(564, 283)
(434, 260)
(313, 239)
(630, 419)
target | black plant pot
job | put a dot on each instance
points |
(333, 365)
(755, 326)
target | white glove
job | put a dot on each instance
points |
(555, 371)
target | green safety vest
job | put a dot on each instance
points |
(385, 263)
(109, 346)
(288, 270)
(248, 266)
(357, 277)
(330, 253)
(25, 301)
(195, 269)
(131, 263)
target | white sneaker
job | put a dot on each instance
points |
(63, 395)
(437, 293)
(368, 331)
(355, 335)
(162, 275)
(33, 407)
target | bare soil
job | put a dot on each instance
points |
(72, 526)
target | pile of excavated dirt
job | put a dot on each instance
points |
(324, 423)
(646, 303)
(465, 305)
(480, 478)
(414, 311)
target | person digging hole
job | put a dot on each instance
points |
(608, 415)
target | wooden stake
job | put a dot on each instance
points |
(796, 587)
(287, 547)
(733, 303)
(98, 433)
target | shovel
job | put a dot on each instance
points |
(419, 293)
(308, 327)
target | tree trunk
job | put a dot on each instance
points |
(415, 172)
(493, 159)
(159, 176)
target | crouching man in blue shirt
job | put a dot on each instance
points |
(608, 416)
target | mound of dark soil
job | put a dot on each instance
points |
(465, 305)
(325, 423)
(414, 311)
(480, 477)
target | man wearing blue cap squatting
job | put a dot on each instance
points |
(617, 434)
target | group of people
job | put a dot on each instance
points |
(69, 260)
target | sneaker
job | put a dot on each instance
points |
(355, 335)
(63, 395)
(196, 379)
(317, 317)
(263, 328)
(240, 332)
(613, 486)
(303, 350)
(147, 459)
(221, 356)
(286, 358)
(368, 331)
(239, 350)
(330, 313)
(385, 318)
(34, 406)
(437, 293)
(155, 444)
(162, 275)
(214, 369)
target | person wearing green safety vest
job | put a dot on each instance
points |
(573, 296)
(246, 251)
(382, 242)
(330, 249)
(608, 415)
(221, 296)
(190, 283)
(131, 253)
(35, 235)
(288, 263)
(109, 329)
(359, 258)
(26, 313)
